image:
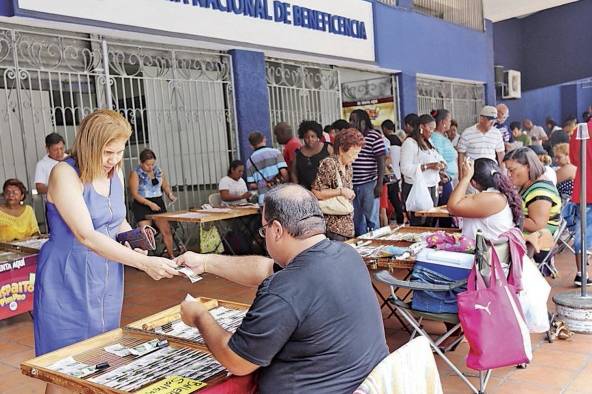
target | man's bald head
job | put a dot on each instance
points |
(296, 209)
(502, 112)
(283, 132)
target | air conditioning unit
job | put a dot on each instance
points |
(511, 86)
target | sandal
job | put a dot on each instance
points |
(564, 333)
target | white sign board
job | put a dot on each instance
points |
(342, 28)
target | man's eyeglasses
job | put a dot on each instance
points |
(263, 229)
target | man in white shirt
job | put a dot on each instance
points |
(482, 139)
(55, 145)
(536, 133)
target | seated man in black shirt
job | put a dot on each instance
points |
(315, 325)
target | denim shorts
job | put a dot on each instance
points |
(577, 243)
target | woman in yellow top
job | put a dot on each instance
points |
(17, 221)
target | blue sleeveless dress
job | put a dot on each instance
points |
(78, 293)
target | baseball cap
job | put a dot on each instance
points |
(489, 112)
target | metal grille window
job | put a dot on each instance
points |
(464, 100)
(468, 13)
(300, 92)
(179, 102)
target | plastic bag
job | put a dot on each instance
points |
(533, 298)
(419, 198)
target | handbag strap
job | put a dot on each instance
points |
(497, 276)
(257, 169)
(475, 280)
(517, 252)
(339, 182)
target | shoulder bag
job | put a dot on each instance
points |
(338, 205)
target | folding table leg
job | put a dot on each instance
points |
(223, 240)
(385, 303)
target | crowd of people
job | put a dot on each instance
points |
(329, 184)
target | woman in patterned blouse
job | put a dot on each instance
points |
(566, 173)
(348, 144)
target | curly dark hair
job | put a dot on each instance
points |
(310, 125)
(488, 174)
(347, 139)
(17, 183)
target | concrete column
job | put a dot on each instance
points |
(252, 97)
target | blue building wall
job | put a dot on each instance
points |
(252, 97)
(557, 101)
(537, 105)
(551, 50)
(547, 47)
(415, 43)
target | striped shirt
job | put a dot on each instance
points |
(546, 191)
(366, 165)
(264, 166)
(476, 144)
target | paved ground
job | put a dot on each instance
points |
(561, 367)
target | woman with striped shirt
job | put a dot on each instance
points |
(541, 203)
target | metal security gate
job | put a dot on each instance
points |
(179, 102)
(300, 92)
(464, 100)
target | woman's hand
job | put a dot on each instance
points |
(153, 206)
(246, 195)
(347, 193)
(138, 250)
(172, 198)
(195, 261)
(468, 169)
(159, 267)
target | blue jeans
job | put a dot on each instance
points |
(588, 234)
(365, 208)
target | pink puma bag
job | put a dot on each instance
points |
(492, 321)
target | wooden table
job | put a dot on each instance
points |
(91, 351)
(436, 212)
(200, 216)
(391, 264)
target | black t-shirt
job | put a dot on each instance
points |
(314, 326)
(308, 166)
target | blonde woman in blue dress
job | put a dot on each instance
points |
(79, 281)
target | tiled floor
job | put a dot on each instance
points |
(561, 367)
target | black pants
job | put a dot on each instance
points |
(420, 221)
(395, 199)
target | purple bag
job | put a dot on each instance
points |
(449, 242)
(492, 321)
(139, 238)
